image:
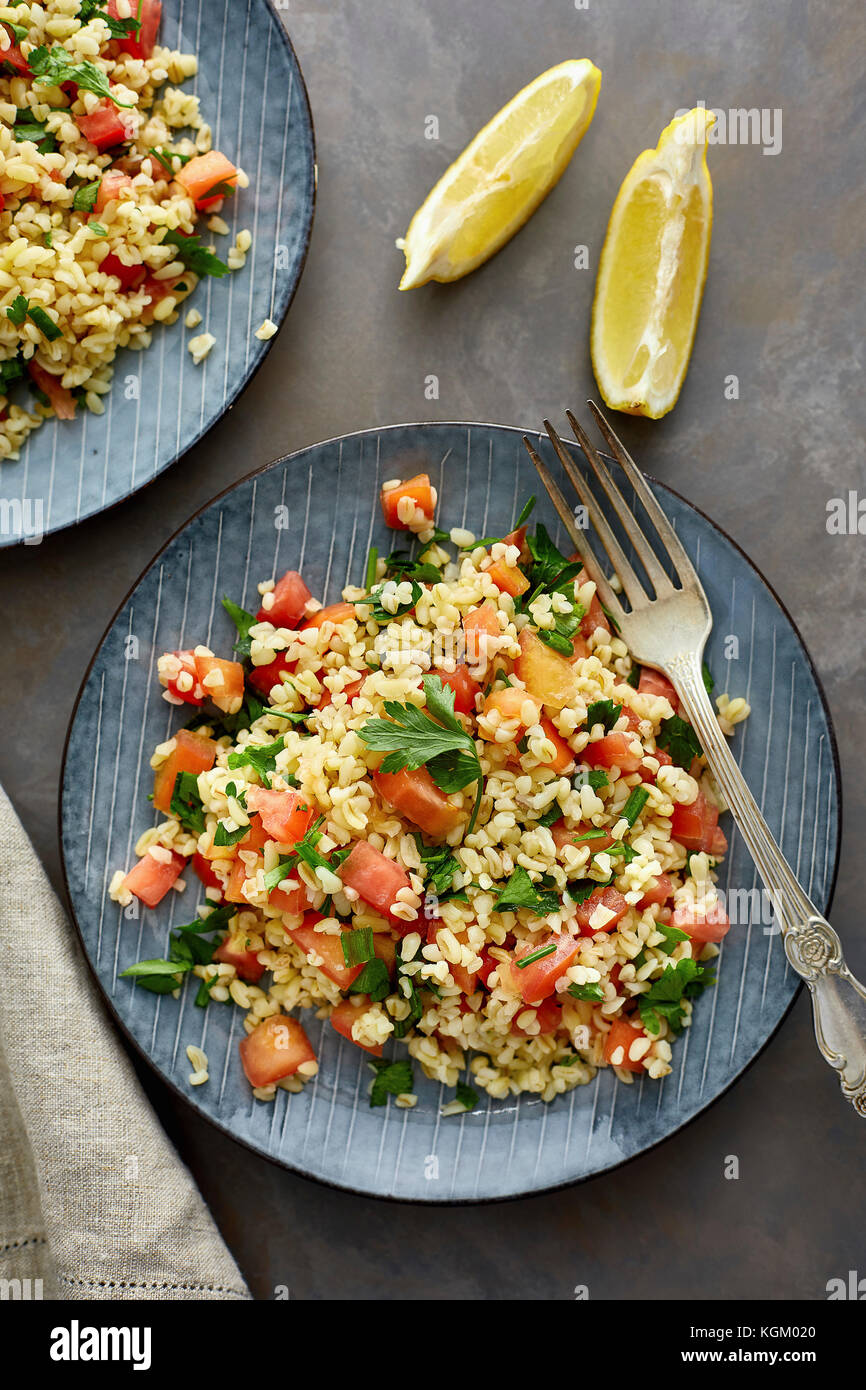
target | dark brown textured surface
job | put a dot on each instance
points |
(783, 311)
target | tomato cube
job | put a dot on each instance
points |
(328, 947)
(537, 980)
(222, 682)
(546, 674)
(508, 578)
(106, 125)
(618, 1043)
(465, 688)
(61, 400)
(415, 795)
(548, 1015)
(206, 177)
(111, 185)
(614, 905)
(332, 613)
(659, 891)
(153, 875)
(232, 950)
(274, 1050)
(140, 43)
(694, 826)
(614, 750)
(346, 1014)
(285, 815)
(289, 598)
(377, 880)
(177, 672)
(654, 683)
(405, 505)
(703, 926)
(191, 753)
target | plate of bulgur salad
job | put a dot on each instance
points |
(157, 182)
(390, 858)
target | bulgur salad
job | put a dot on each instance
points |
(100, 195)
(449, 810)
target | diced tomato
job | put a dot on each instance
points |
(479, 624)
(661, 889)
(632, 719)
(418, 489)
(257, 836)
(61, 401)
(329, 947)
(509, 703)
(333, 613)
(548, 1014)
(151, 878)
(177, 672)
(562, 836)
(105, 126)
(662, 758)
(508, 578)
(203, 174)
(14, 57)
(718, 844)
(594, 615)
(538, 980)
(563, 758)
(350, 692)
(232, 950)
(416, 796)
(130, 276)
(111, 185)
(488, 965)
(274, 1050)
(614, 750)
(518, 538)
(546, 674)
(654, 683)
(141, 43)
(377, 880)
(191, 753)
(263, 678)
(579, 649)
(694, 826)
(602, 897)
(290, 598)
(156, 291)
(614, 974)
(712, 925)
(285, 815)
(222, 681)
(346, 1014)
(292, 900)
(204, 870)
(619, 1039)
(233, 891)
(464, 687)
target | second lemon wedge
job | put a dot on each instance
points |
(652, 271)
(500, 178)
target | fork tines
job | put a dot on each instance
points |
(632, 585)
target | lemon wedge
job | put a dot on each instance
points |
(652, 271)
(496, 184)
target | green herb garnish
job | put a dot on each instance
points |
(666, 996)
(85, 195)
(261, 757)
(51, 67)
(467, 1097)
(392, 1078)
(538, 954)
(603, 712)
(638, 798)
(591, 994)
(520, 891)
(357, 945)
(186, 803)
(680, 740)
(194, 255)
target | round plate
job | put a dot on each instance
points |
(317, 511)
(253, 95)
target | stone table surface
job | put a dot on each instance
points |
(782, 314)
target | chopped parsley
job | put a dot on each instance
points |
(591, 994)
(243, 621)
(186, 803)
(709, 683)
(398, 565)
(17, 310)
(392, 1078)
(51, 67)
(370, 568)
(467, 1097)
(638, 798)
(381, 615)
(28, 128)
(666, 996)
(373, 980)
(520, 891)
(603, 712)
(680, 740)
(188, 949)
(166, 158)
(440, 864)
(261, 757)
(431, 737)
(594, 777)
(10, 370)
(85, 195)
(357, 945)
(118, 28)
(194, 256)
(672, 937)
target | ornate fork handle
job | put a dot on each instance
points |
(811, 945)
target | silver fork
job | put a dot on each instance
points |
(669, 632)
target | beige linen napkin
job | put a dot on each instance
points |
(94, 1201)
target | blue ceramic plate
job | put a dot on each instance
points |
(318, 511)
(253, 95)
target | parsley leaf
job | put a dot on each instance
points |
(680, 740)
(166, 158)
(595, 777)
(51, 67)
(17, 310)
(28, 128)
(85, 196)
(433, 737)
(10, 370)
(440, 864)
(467, 1097)
(591, 993)
(603, 712)
(672, 937)
(243, 621)
(382, 615)
(186, 803)
(520, 891)
(666, 995)
(261, 757)
(399, 565)
(392, 1078)
(709, 683)
(194, 256)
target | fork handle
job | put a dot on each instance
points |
(811, 945)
